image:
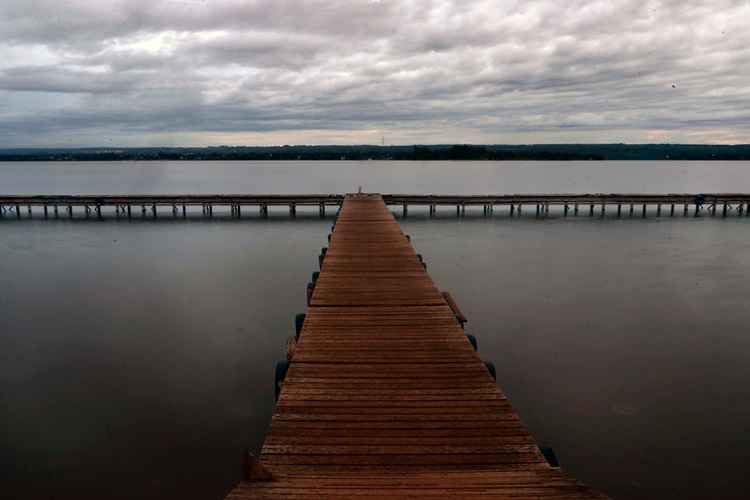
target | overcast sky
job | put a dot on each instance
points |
(208, 72)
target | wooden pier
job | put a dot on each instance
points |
(383, 394)
(235, 205)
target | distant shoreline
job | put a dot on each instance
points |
(438, 152)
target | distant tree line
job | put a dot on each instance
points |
(540, 152)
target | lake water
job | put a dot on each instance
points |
(137, 357)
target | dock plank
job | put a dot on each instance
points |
(385, 396)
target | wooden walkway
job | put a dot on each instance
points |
(234, 205)
(385, 396)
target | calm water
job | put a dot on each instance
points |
(137, 357)
(373, 176)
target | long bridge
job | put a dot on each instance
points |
(234, 205)
(383, 395)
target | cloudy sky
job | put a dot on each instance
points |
(207, 72)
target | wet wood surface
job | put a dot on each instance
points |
(385, 396)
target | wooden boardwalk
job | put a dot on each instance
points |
(234, 205)
(385, 396)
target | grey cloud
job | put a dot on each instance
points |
(55, 79)
(489, 69)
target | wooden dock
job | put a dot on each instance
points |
(384, 395)
(235, 205)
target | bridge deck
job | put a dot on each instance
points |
(385, 396)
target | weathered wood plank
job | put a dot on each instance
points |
(385, 397)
